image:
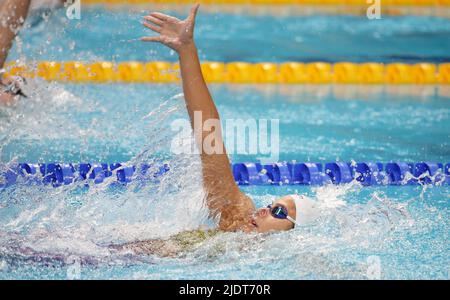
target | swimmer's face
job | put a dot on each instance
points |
(263, 220)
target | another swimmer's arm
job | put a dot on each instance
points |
(223, 196)
(12, 16)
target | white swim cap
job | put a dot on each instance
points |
(306, 209)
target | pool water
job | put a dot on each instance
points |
(111, 35)
(364, 232)
(95, 123)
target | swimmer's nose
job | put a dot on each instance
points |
(263, 212)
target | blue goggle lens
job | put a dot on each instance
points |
(278, 212)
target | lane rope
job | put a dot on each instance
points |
(239, 72)
(249, 173)
(277, 2)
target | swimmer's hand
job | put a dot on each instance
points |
(174, 33)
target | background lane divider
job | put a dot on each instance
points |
(284, 2)
(277, 174)
(239, 72)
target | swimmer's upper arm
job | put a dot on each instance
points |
(223, 195)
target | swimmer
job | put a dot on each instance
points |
(235, 209)
(224, 199)
(12, 16)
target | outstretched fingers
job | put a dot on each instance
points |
(162, 17)
(152, 27)
(151, 39)
(154, 20)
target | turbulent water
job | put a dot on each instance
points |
(49, 231)
(370, 232)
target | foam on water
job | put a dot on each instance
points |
(75, 219)
(43, 226)
(335, 246)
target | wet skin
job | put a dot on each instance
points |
(263, 221)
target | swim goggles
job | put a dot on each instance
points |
(280, 212)
(13, 88)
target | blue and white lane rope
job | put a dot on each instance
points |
(277, 174)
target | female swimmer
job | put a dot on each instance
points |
(235, 209)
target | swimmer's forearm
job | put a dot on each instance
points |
(196, 93)
(223, 196)
(12, 17)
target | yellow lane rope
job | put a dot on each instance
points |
(239, 72)
(273, 2)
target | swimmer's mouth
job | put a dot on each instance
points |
(254, 223)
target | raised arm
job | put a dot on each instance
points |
(12, 16)
(223, 196)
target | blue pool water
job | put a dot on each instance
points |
(109, 35)
(48, 232)
(107, 122)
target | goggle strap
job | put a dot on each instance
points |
(292, 220)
